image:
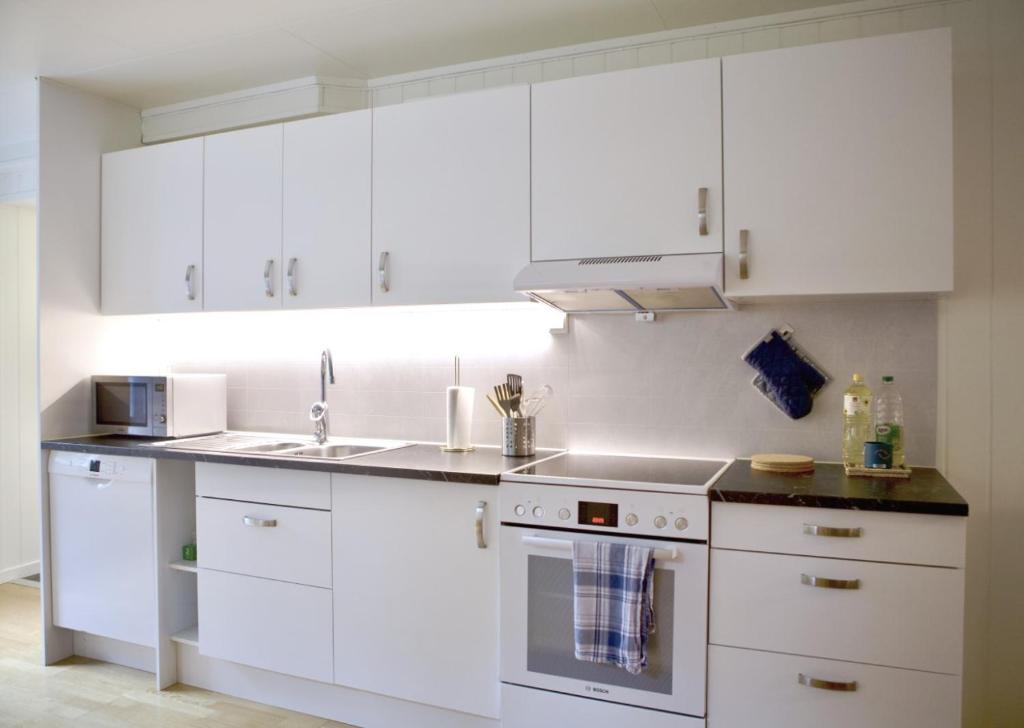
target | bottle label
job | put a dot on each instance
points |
(854, 404)
(891, 435)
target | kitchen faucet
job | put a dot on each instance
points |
(318, 412)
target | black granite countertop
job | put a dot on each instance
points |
(484, 465)
(926, 491)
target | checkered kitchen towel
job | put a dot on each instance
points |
(613, 603)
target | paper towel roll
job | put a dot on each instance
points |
(459, 417)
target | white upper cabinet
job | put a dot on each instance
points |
(243, 219)
(619, 161)
(451, 198)
(838, 165)
(327, 211)
(152, 229)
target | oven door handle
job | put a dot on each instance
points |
(558, 544)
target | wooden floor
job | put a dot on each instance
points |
(81, 692)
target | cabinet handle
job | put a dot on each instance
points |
(811, 529)
(702, 211)
(824, 583)
(813, 682)
(384, 271)
(190, 290)
(744, 268)
(268, 283)
(259, 522)
(481, 507)
(292, 288)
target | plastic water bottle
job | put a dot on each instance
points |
(857, 423)
(889, 419)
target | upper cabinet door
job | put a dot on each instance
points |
(620, 159)
(327, 211)
(243, 219)
(451, 198)
(839, 169)
(152, 229)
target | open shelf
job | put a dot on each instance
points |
(184, 566)
(188, 636)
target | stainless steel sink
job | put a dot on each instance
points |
(273, 447)
(335, 452)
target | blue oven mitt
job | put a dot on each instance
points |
(790, 381)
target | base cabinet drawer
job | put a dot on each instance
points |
(274, 542)
(900, 538)
(750, 688)
(273, 625)
(280, 486)
(883, 614)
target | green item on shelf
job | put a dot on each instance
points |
(188, 552)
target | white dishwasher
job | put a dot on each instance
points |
(101, 545)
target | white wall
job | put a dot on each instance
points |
(19, 422)
(75, 128)
(19, 127)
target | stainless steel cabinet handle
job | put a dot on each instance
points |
(292, 288)
(481, 507)
(384, 271)
(824, 583)
(744, 244)
(268, 283)
(190, 290)
(259, 522)
(813, 682)
(811, 529)
(702, 211)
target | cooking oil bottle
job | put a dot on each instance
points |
(857, 422)
(889, 419)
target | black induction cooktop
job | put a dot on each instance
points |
(581, 468)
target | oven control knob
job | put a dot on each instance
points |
(660, 522)
(631, 519)
(564, 514)
(162, 419)
(681, 524)
(520, 510)
(538, 512)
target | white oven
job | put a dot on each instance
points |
(539, 524)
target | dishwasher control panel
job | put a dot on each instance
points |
(601, 510)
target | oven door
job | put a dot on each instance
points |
(537, 638)
(125, 405)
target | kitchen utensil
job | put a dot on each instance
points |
(515, 383)
(504, 397)
(532, 405)
(497, 407)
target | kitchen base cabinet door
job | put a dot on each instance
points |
(749, 688)
(268, 624)
(416, 598)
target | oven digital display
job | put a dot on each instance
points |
(599, 514)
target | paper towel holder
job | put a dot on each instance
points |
(449, 414)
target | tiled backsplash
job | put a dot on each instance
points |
(677, 386)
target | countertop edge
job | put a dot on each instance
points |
(840, 502)
(346, 467)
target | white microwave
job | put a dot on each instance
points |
(176, 405)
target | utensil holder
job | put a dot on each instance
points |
(519, 437)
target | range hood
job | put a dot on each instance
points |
(630, 284)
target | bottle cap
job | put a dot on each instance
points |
(887, 378)
(857, 377)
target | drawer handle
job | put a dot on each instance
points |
(824, 583)
(702, 211)
(259, 522)
(812, 530)
(813, 682)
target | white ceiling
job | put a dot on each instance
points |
(152, 52)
